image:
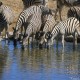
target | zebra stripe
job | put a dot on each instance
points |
(65, 28)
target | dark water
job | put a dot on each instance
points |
(36, 64)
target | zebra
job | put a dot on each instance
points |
(24, 19)
(48, 25)
(74, 12)
(70, 26)
(7, 17)
(69, 3)
(32, 28)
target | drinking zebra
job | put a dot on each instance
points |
(7, 17)
(24, 19)
(70, 26)
(74, 12)
(32, 28)
(48, 25)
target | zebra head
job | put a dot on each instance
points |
(48, 36)
(44, 39)
(38, 35)
(15, 36)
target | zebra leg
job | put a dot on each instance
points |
(74, 40)
(0, 36)
(25, 42)
(7, 34)
(21, 36)
(57, 42)
(28, 42)
(63, 41)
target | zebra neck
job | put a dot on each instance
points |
(55, 32)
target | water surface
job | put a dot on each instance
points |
(36, 64)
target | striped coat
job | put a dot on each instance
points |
(68, 27)
(47, 27)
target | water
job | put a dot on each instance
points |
(36, 64)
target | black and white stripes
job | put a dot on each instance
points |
(49, 24)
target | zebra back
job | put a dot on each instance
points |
(25, 15)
